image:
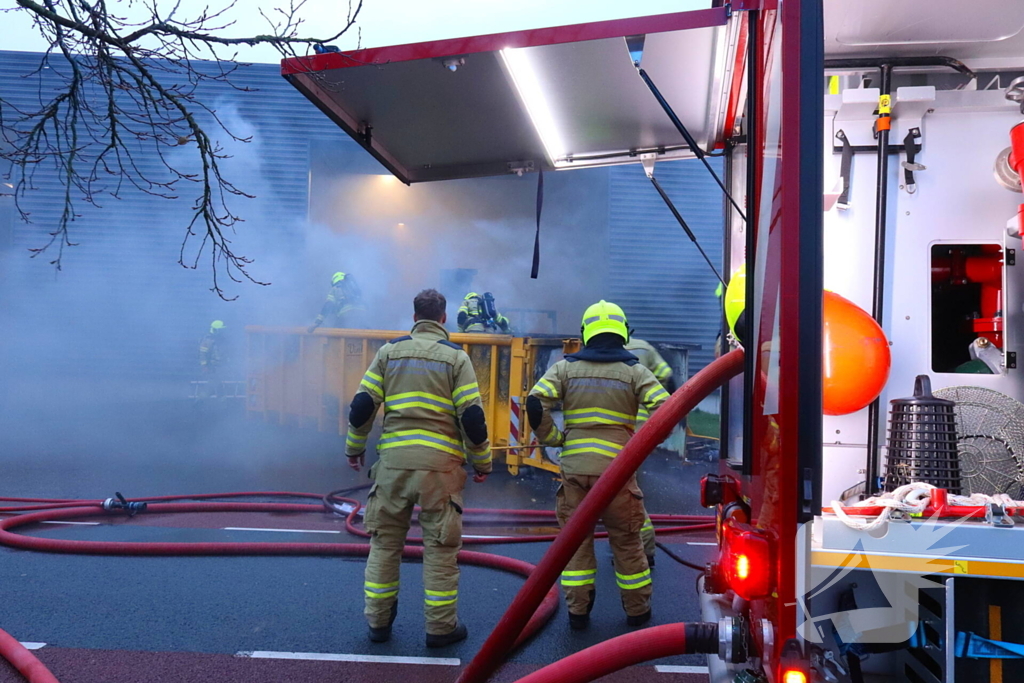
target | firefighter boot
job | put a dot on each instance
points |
(383, 634)
(578, 622)
(456, 636)
(639, 619)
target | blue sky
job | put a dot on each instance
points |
(388, 22)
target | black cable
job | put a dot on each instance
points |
(689, 233)
(678, 559)
(332, 506)
(690, 142)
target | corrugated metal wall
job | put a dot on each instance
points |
(657, 275)
(124, 273)
(123, 281)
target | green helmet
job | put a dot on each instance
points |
(338, 277)
(604, 317)
(216, 326)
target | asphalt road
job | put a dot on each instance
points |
(185, 619)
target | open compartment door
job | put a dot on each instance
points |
(782, 457)
(544, 99)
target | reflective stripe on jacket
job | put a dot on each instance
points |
(426, 384)
(649, 358)
(472, 318)
(600, 402)
(652, 360)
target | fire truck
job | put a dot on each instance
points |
(871, 160)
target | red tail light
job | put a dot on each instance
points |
(747, 562)
(794, 676)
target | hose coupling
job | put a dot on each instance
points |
(120, 503)
(733, 640)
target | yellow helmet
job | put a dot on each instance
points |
(736, 297)
(604, 317)
(471, 295)
(338, 277)
(216, 326)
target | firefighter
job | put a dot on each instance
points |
(343, 299)
(433, 419)
(601, 388)
(652, 360)
(478, 314)
(211, 358)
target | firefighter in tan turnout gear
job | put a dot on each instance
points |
(652, 360)
(600, 388)
(433, 420)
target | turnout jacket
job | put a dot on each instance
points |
(649, 358)
(342, 298)
(433, 416)
(601, 390)
(472, 318)
(210, 350)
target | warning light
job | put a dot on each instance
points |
(746, 560)
(794, 676)
(742, 567)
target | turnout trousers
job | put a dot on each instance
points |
(388, 515)
(623, 519)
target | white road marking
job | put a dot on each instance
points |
(33, 646)
(78, 523)
(490, 537)
(673, 669)
(292, 531)
(699, 543)
(371, 659)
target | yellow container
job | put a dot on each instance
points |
(308, 380)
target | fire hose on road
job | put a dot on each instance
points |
(533, 606)
(629, 649)
(497, 646)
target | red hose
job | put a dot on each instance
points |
(613, 655)
(56, 509)
(27, 664)
(53, 545)
(497, 646)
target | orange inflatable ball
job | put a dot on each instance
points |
(855, 357)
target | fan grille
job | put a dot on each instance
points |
(990, 440)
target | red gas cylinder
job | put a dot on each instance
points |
(855, 357)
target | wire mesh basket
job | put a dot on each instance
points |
(990, 429)
(922, 441)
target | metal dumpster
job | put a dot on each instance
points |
(307, 380)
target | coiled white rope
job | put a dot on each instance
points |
(912, 499)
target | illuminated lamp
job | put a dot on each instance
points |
(746, 561)
(794, 676)
(520, 66)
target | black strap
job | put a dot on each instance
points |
(912, 148)
(845, 165)
(536, 238)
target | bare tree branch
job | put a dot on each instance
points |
(128, 87)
